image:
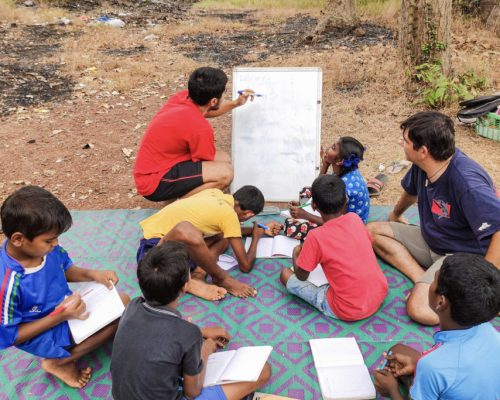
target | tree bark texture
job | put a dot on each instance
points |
(490, 14)
(337, 14)
(425, 32)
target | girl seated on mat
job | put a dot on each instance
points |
(344, 157)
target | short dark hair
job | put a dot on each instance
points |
(328, 193)
(351, 151)
(34, 211)
(432, 130)
(250, 198)
(163, 272)
(472, 286)
(206, 83)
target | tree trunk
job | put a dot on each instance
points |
(425, 33)
(337, 14)
(490, 14)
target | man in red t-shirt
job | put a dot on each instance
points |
(177, 156)
(356, 285)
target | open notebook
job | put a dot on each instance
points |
(103, 306)
(276, 247)
(308, 208)
(317, 277)
(242, 365)
(341, 369)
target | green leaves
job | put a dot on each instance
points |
(438, 90)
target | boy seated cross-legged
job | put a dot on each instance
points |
(34, 276)
(207, 223)
(464, 363)
(156, 353)
(356, 285)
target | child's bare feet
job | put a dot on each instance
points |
(236, 288)
(68, 373)
(200, 288)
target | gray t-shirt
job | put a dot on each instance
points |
(152, 348)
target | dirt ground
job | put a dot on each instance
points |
(76, 96)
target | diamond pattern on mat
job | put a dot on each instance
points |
(109, 239)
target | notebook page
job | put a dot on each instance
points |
(349, 383)
(264, 246)
(226, 262)
(103, 306)
(308, 208)
(333, 352)
(247, 364)
(216, 364)
(317, 277)
(283, 246)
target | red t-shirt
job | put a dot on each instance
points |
(179, 132)
(343, 247)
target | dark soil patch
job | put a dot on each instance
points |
(348, 87)
(127, 52)
(22, 85)
(245, 17)
(26, 78)
(245, 46)
(135, 12)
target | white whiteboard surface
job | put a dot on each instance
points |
(276, 138)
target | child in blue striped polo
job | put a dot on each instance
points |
(35, 300)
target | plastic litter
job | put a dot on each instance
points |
(114, 22)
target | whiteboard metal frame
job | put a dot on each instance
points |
(319, 102)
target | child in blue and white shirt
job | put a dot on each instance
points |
(344, 157)
(35, 299)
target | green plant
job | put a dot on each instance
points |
(439, 90)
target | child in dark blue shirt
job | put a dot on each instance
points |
(35, 300)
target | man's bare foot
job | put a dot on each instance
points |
(68, 373)
(202, 289)
(236, 288)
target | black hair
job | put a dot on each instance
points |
(250, 198)
(328, 193)
(34, 211)
(351, 151)
(163, 272)
(206, 83)
(432, 130)
(472, 286)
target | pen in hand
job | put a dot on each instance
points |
(384, 364)
(265, 227)
(240, 92)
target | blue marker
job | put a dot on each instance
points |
(263, 226)
(250, 94)
(384, 364)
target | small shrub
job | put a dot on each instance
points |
(440, 90)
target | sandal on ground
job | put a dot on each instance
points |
(375, 185)
(398, 166)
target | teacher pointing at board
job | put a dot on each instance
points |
(177, 155)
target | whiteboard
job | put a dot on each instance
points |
(276, 138)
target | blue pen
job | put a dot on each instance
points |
(250, 94)
(263, 226)
(384, 364)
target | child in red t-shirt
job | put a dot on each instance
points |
(356, 285)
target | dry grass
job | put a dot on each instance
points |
(267, 4)
(10, 13)
(382, 11)
(209, 25)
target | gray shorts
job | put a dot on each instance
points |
(410, 236)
